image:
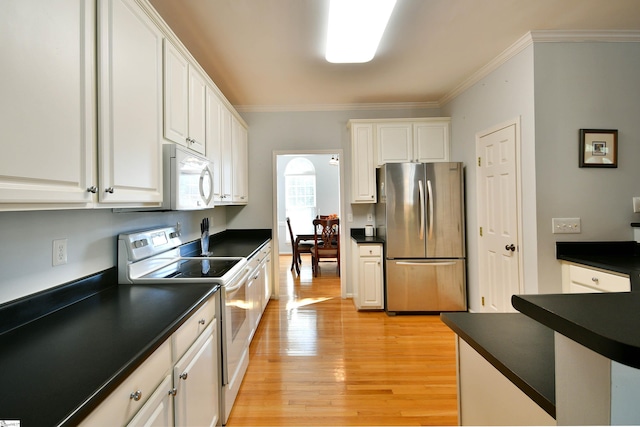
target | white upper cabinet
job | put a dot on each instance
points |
(363, 166)
(431, 141)
(240, 165)
(48, 106)
(213, 126)
(130, 104)
(394, 142)
(412, 140)
(184, 100)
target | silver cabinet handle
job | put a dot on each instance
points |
(173, 392)
(136, 395)
(595, 279)
(93, 189)
(109, 190)
(184, 375)
(202, 321)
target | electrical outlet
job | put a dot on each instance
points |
(370, 217)
(59, 256)
(349, 217)
(565, 225)
(636, 204)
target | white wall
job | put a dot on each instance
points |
(26, 243)
(504, 94)
(314, 130)
(584, 85)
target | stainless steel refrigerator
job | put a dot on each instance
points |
(420, 214)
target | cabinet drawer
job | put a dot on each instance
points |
(192, 328)
(370, 250)
(598, 280)
(120, 406)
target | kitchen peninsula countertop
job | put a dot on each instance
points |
(517, 346)
(65, 349)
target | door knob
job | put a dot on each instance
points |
(510, 247)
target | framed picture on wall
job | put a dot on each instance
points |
(598, 148)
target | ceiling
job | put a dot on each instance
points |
(268, 54)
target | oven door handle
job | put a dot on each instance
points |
(238, 283)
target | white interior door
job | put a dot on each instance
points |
(498, 217)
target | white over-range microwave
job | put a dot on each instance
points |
(188, 180)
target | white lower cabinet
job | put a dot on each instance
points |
(179, 384)
(368, 276)
(158, 411)
(130, 396)
(196, 382)
(577, 279)
(259, 287)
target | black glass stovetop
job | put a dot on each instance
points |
(194, 268)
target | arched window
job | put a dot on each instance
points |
(300, 191)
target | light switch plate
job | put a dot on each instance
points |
(565, 225)
(636, 204)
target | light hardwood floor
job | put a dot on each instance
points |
(316, 361)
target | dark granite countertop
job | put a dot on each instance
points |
(621, 257)
(357, 234)
(517, 346)
(607, 323)
(59, 367)
(65, 349)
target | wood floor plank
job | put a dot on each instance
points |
(316, 361)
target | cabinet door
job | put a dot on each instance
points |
(47, 107)
(197, 382)
(227, 155)
(431, 141)
(363, 170)
(395, 142)
(176, 95)
(130, 109)
(213, 128)
(197, 111)
(158, 411)
(370, 276)
(240, 164)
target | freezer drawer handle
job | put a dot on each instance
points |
(427, 264)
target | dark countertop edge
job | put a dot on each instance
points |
(357, 234)
(610, 348)
(585, 260)
(92, 402)
(611, 248)
(548, 406)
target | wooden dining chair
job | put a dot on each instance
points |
(326, 242)
(297, 248)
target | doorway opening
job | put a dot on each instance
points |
(306, 184)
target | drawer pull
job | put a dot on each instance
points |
(184, 375)
(137, 395)
(202, 321)
(173, 392)
(595, 279)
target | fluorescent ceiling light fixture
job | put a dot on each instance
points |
(356, 28)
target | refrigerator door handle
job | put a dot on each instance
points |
(428, 263)
(421, 203)
(431, 202)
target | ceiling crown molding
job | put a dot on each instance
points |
(542, 36)
(336, 107)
